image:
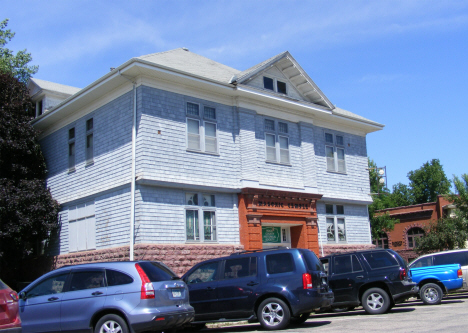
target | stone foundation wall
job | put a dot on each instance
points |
(343, 248)
(180, 258)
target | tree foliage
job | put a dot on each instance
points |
(27, 211)
(460, 198)
(445, 234)
(17, 64)
(381, 199)
(428, 182)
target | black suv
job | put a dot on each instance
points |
(375, 279)
(273, 286)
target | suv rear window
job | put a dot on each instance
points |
(115, 278)
(313, 263)
(279, 263)
(380, 259)
(157, 271)
(451, 258)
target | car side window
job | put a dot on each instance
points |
(342, 264)
(116, 278)
(325, 265)
(380, 259)
(356, 264)
(423, 262)
(82, 280)
(279, 263)
(451, 258)
(51, 285)
(240, 267)
(204, 273)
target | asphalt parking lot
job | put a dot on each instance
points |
(412, 316)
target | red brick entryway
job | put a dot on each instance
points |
(259, 207)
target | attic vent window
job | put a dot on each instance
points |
(274, 85)
(268, 83)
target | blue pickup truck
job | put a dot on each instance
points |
(435, 281)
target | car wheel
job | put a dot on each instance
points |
(111, 323)
(273, 314)
(375, 301)
(300, 319)
(431, 294)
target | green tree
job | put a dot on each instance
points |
(401, 195)
(381, 199)
(17, 64)
(28, 214)
(460, 198)
(445, 234)
(428, 182)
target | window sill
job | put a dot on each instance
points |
(279, 163)
(88, 164)
(200, 242)
(202, 152)
(71, 171)
(337, 172)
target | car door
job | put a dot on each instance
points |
(40, 304)
(346, 278)
(85, 295)
(236, 288)
(203, 283)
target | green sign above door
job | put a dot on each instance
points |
(271, 234)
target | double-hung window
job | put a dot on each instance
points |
(81, 227)
(275, 85)
(71, 149)
(277, 141)
(89, 141)
(336, 230)
(200, 207)
(335, 152)
(202, 130)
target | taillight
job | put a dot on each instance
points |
(403, 274)
(14, 296)
(147, 289)
(306, 281)
(460, 273)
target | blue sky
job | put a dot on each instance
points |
(400, 63)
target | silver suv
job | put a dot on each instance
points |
(106, 297)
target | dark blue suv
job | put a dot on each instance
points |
(274, 287)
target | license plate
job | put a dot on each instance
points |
(176, 293)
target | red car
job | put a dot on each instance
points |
(10, 321)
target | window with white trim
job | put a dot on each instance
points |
(71, 149)
(336, 229)
(89, 141)
(277, 141)
(335, 153)
(81, 227)
(202, 130)
(200, 207)
(275, 85)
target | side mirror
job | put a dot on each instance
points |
(22, 295)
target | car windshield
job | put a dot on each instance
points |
(3, 285)
(157, 271)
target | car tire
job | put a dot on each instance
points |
(273, 314)
(111, 323)
(431, 294)
(375, 301)
(302, 318)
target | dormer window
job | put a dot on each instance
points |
(274, 85)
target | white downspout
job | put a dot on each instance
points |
(132, 183)
(132, 216)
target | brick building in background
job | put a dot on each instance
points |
(184, 158)
(412, 220)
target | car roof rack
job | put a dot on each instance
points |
(260, 250)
